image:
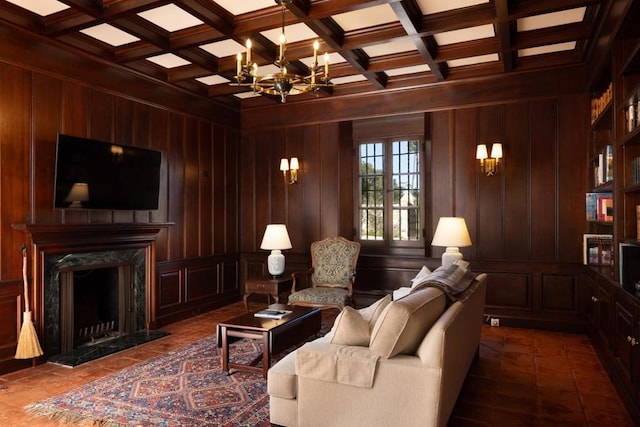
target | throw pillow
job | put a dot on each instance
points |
(372, 312)
(351, 329)
(404, 323)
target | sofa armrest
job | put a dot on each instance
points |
(343, 364)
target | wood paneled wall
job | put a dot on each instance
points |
(197, 257)
(526, 223)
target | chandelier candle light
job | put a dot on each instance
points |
(282, 83)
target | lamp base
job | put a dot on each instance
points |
(450, 256)
(275, 263)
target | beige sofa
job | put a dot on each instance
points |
(410, 374)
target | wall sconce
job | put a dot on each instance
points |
(489, 165)
(292, 167)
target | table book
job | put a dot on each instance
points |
(272, 314)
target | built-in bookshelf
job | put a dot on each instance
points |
(611, 249)
(599, 201)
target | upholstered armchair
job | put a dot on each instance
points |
(332, 274)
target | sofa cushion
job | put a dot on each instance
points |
(282, 378)
(351, 328)
(371, 313)
(404, 323)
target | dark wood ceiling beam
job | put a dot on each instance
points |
(332, 34)
(202, 59)
(187, 72)
(503, 29)
(552, 35)
(136, 51)
(457, 19)
(86, 12)
(144, 30)
(468, 49)
(89, 7)
(211, 14)
(410, 16)
(95, 47)
(194, 36)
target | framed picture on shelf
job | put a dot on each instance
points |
(597, 249)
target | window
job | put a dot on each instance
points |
(391, 191)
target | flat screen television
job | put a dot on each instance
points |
(93, 174)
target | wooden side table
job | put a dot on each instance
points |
(266, 285)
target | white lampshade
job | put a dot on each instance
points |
(496, 150)
(284, 164)
(481, 152)
(276, 238)
(451, 233)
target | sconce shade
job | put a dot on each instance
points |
(481, 152)
(284, 165)
(451, 233)
(276, 238)
(79, 193)
(496, 150)
(294, 163)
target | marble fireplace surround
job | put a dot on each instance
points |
(56, 247)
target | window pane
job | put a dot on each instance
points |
(372, 191)
(406, 190)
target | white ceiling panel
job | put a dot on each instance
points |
(110, 35)
(170, 17)
(365, 18)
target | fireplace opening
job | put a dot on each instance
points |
(96, 305)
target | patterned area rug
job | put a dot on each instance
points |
(185, 387)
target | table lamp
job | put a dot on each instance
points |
(451, 233)
(275, 239)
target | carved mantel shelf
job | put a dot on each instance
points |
(91, 234)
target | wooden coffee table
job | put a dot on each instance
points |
(276, 335)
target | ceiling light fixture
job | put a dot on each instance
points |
(282, 83)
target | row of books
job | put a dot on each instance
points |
(599, 207)
(599, 104)
(597, 249)
(603, 167)
(635, 171)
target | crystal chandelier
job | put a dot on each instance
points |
(282, 83)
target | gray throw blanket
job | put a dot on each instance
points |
(457, 284)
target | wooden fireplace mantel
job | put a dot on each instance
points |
(93, 233)
(55, 239)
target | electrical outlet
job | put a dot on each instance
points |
(495, 322)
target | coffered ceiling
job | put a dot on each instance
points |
(373, 45)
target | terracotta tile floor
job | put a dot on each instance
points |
(523, 378)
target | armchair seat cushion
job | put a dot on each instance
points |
(320, 295)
